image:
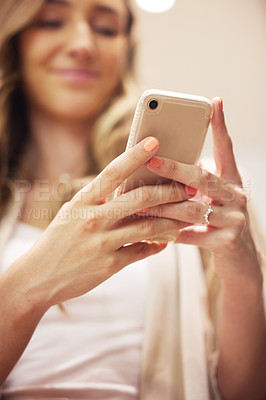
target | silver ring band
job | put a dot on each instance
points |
(207, 213)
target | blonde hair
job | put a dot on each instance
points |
(110, 131)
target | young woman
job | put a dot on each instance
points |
(70, 325)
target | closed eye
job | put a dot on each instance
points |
(105, 31)
(49, 24)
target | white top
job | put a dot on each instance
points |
(94, 351)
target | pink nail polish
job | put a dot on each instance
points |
(143, 211)
(190, 191)
(155, 162)
(151, 144)
(221, 104)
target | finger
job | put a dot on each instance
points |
(192, 212)
(139, 216)
(194, 176)
(219, 241)
(201, 236)
(145, 229)
(138, 251)
(145, 196)
(117, 171)
(222, 145)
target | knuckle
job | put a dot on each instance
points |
(242, 198)
(110, 264)
(92, 220)
(106, 242)
(193, 211)
(146, 250)
(171, 170)
(239, 220)
(205, 177)
(177, 191)
(111, 172)
(92, 225)
(134, 155)
(90, 243)
(231, 240)
(96, 243)
(148, 227)
(142, 195)
(198, 173)
(99, 243)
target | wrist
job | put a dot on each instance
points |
(239, 269)
(243, 293)
(22, 293)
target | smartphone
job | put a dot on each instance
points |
(180, 123)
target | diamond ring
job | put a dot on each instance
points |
(207, 213)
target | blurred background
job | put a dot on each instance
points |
(214, 48)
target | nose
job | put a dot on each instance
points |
(81, 41)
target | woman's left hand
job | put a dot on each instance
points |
(228, 234)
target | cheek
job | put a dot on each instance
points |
(35, 51)
(115, 61)
(31, 49)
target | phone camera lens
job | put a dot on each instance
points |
(153, 104)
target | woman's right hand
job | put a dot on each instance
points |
(84, 244)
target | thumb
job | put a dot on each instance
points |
(222, 145)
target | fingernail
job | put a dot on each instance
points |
(158, 243)
(101, 201)
(155, 162)
(221, 104)
(161, 244)
(143, 211)
(190, 191)
(151, 144)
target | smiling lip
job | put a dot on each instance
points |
(77, 75)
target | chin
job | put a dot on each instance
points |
(74, 113)
(73, 108)
(71, 104)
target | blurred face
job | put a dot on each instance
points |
(73, 56)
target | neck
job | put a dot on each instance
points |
(60, 146)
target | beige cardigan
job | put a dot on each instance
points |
(177, 349)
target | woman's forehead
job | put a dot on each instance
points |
(111, 6)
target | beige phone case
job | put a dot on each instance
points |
(180, 123)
